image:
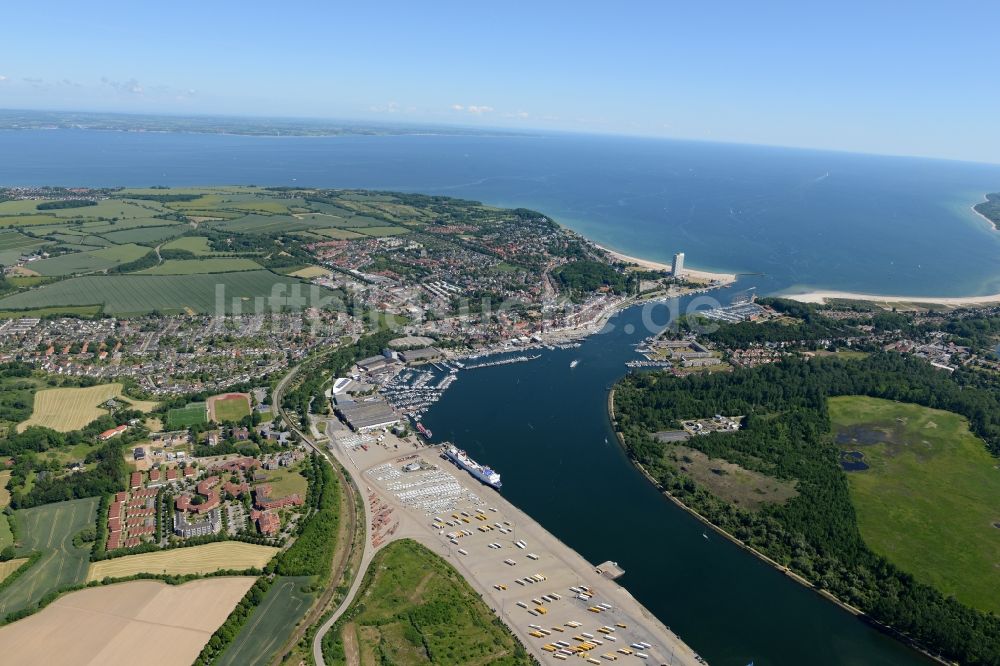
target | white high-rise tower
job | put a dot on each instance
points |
(678, 266)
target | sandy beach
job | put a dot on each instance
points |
(954, 301)
(724, 278)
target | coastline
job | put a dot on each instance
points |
(708, 276)
(992, 224)
(826, 594)
(823, 297)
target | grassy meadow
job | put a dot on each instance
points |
(929, 500)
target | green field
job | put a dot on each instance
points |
(13, 240)
(929, 501)
(139, 294)
(414, 608)
(197, 266)
(184, 417)
(92, 260)
(79, 310)
(232, 410)
(147, 235)
(194, 244)
(383, 231)
(337, 234)
(265, 224)
(50, 529)
(26, 220)
(271, 624)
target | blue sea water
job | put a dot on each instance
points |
(805, 219)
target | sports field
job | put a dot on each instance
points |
(228, 407)
(139, 294)
(203, 559)
(929, 500)
(50, 529)
(270, 625)
(184, 417)
(139, 622)
(413, 605)
(66, 409)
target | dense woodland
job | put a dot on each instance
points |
(786, 434)
(990, 208)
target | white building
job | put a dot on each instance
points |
(678, 265)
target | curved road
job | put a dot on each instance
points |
(369, 552)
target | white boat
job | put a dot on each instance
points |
(575, 362)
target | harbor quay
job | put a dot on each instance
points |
(560, 606)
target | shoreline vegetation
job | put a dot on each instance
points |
(778, 566)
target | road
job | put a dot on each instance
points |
(348, 526)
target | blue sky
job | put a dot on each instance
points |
(912, 78)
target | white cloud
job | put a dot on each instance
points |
(131, 87)
(472, 108)
(2, 78)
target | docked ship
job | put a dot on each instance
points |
(424, 430)
(480, 472)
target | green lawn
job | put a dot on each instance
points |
(184, 417)
(270, 625)
(930, 500)
(414, 608)
(50, 529)
(287, 480)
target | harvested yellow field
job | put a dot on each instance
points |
(202, 559)
(311, 272)
(4, 493)
(141, 621)
(66, 409)
(10, 566)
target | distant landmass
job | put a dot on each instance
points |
(990, 209)
(119, 122)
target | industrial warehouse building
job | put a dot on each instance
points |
(362, 416)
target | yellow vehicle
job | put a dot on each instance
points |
(619, 624)
(550, 648)
(559, 629)
(536, 634)
(625, 650)
(594, 609)
(580, 639)
(541, 609)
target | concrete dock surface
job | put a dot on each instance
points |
(520, 569)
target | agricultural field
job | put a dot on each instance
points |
(228, 408)
(310, 272)
(26, 220)
(184, 417)
(270, 625)
(264, 224)
(142, 621)
(207, 558)
(199, 266)
(147, 235)
(141, 294)
(10, 566)
(929, 496)
(383, 231)
(50, 529)
(92, 260)
(66, 409)
(78, 310)
(14, 244)
(414, 608)
(336, 234)
(195, 244)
